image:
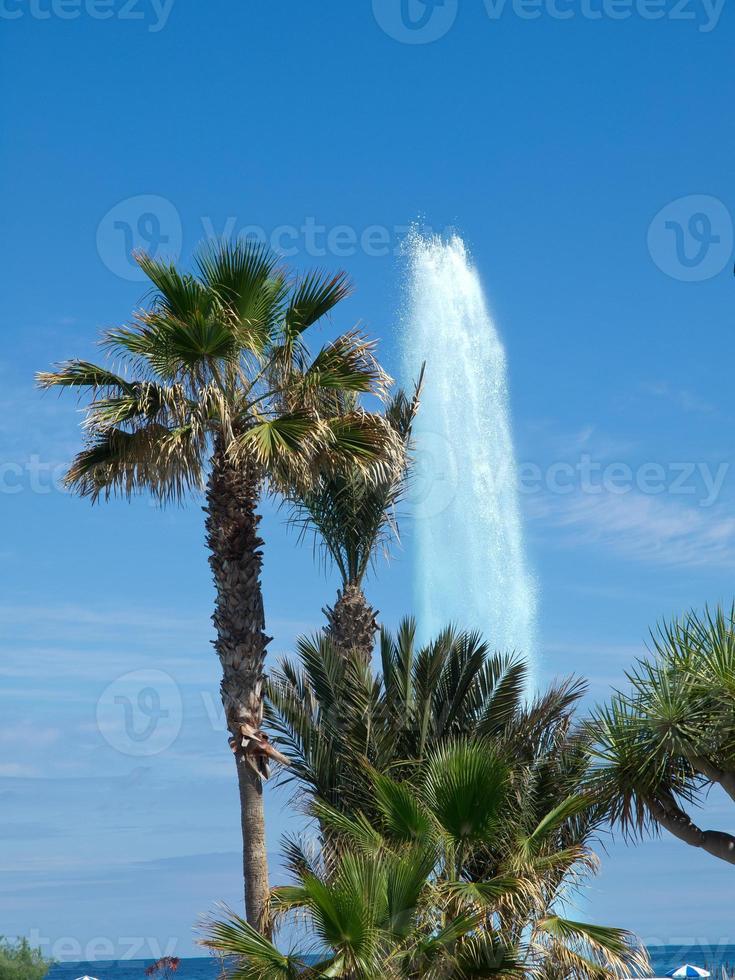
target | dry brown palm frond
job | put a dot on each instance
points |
(586, 950)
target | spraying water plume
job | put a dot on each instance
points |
(470, 559)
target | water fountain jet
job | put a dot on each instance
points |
(470, 561)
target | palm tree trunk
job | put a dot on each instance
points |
(352, 622)
(236, 558)
(715, 842)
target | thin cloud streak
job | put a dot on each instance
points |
(646, 529)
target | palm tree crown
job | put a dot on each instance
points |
(219, 357)
(660, 745)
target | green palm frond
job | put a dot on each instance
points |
(347, 364)
(629, 770)
(357, 830)
(372, 916)
(324, 714)
(485, 894)
(258, 958)
(408, 873)
(84, 375)
(554, 820)
(500, 691)
(362, 438)
(465, 785)
(175, 295)
(142, 400)
(439, 953)
(348, 911)
(310, 297)
(285, 439)
(315, 295)
(397, 656)
(487, 955)
(404, 815)
(251, 288)
(658, 746)
(302, 857)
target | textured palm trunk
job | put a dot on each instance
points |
(236, 558)
(715, 842)
(352, 622)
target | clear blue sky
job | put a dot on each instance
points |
(552, 144)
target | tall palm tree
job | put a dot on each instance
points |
(218, 393)
(353, 517)
(411, 893)
(661, 745)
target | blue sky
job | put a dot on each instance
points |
(586, 159)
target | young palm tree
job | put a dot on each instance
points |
(352, 517)
(661, 746)
(218, 394)
(401, 897)
(434, 721)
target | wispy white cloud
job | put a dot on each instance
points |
(108, 618)
(85, 615)
(16, 770)
(683, 398)
(649, 529)
(24, 732)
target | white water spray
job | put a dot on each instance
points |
(470, 560)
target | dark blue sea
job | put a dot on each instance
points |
(202, 968)
(664, 958)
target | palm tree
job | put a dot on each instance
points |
(663, 744)
(218, 394)
(353, 517)
(401, 896)
(450, 706)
